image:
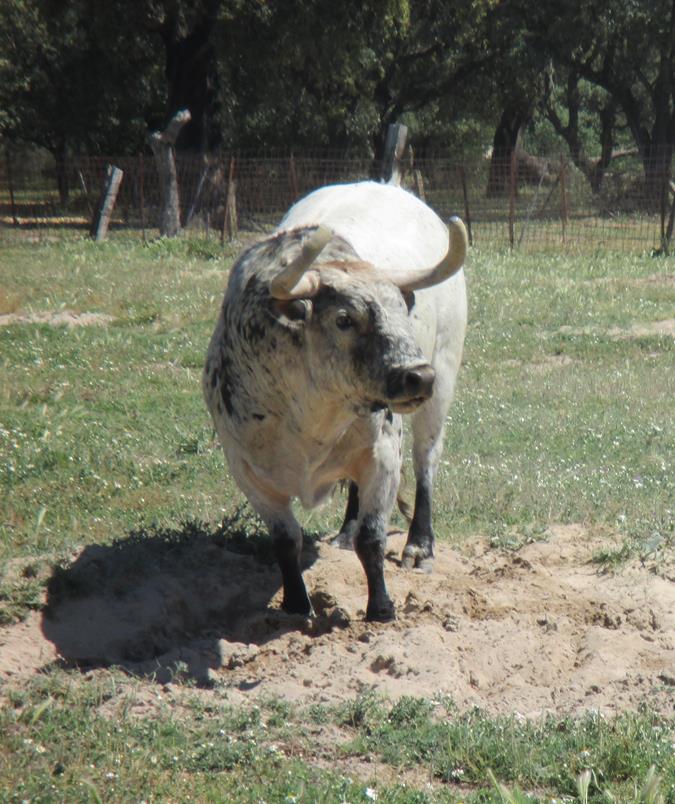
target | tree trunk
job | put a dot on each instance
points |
(162, 144)
(397, 135)
(191, 78)
(506, 142)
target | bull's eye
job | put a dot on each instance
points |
(343, 320)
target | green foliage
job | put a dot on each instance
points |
(311, 73)
(48, 49)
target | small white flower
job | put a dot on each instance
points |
(371, 794)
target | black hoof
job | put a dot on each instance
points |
(381, 614)
(417, 558)
(298, 606)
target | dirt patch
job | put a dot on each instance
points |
(66, 318)
(534, 631)
(637, 330)
(545, 365)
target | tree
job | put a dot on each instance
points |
(585, 108)
(626, 49)
(70, 81)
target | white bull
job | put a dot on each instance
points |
(352, 313)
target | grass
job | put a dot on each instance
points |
(562, 416)
(86, 742)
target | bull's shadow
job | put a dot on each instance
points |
(159, 601)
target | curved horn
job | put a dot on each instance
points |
(292, 282)
(449, 265)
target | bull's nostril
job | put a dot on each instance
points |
(419, 381)
(414, 383)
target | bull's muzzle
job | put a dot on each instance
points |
(407, 388)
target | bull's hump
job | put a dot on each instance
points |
(385, 225)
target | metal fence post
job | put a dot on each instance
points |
(10, 182)
(563, 198)
(512, 197)
(467, 213)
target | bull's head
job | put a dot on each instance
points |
(356, 320)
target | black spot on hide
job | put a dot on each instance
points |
(226, 394)
(259, 416)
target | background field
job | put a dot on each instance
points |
(563, 417)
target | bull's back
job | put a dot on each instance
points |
(385, 225)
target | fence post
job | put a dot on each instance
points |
(419, 185)
(293, 179)
(162, 144)
(11, 187)
(512, 198)
(665, 183)
(394, 148)
(106, 203)
(230, 212)
(141, 192)
(563, 198)
(467, 214)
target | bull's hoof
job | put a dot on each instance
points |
(383, 613)
(298, 605)
(416, 558)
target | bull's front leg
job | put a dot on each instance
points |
(377, 480)
(287, 539)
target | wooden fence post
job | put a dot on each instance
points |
(419, 185)
(106, 203)
(394, 149)
(162, 143)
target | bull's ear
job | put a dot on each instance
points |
(298, 311)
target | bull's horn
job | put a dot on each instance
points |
(292, 282)
(449, 265)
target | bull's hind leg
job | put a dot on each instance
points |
(371, 538)
(345, 537)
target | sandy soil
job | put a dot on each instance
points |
(66, 318)
(538, 630)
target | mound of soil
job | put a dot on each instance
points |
(537, 630)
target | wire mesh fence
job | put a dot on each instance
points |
(527, 203)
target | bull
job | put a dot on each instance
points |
(352, 313)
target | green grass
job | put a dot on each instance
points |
(86, 742)
(563, 415)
